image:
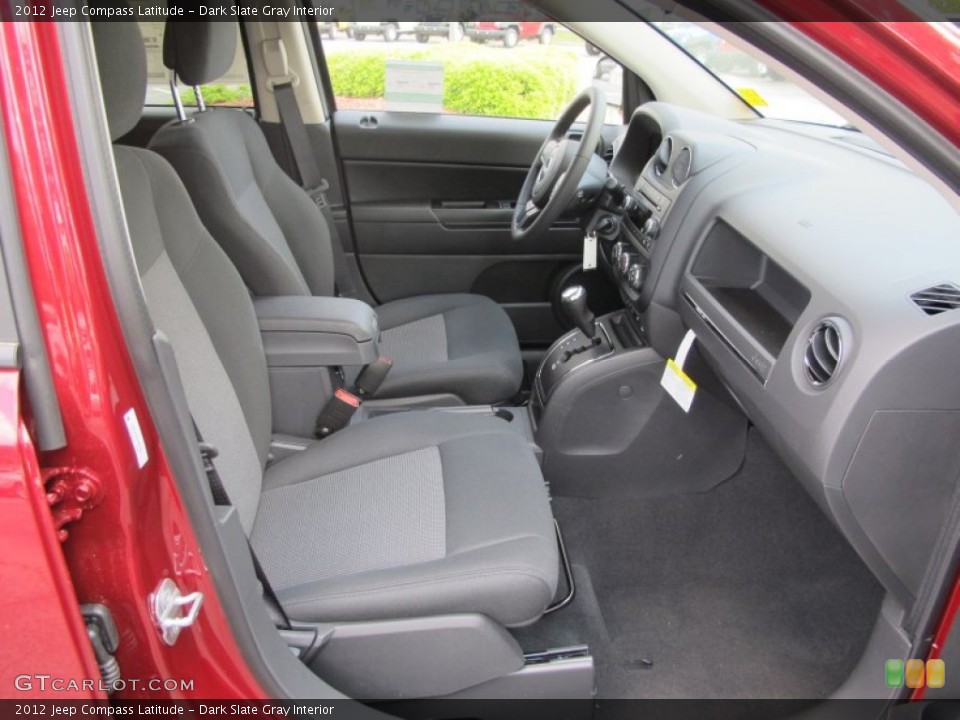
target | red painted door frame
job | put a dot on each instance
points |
(138, 533)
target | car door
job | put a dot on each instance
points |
(433, 157)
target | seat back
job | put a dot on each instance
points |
(268, 225)
(194, 294)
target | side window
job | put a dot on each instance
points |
(515, 69)
(233, 89)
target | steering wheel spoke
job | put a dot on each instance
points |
(549, 150)
(529, 213)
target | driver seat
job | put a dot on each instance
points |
(461, 345)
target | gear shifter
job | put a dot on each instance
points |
(574, 300)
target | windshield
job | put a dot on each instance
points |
(751, 78)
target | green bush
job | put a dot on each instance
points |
(219, 95)
(534, 85)
(357, 74)
(514, 89)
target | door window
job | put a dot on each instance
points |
(515, 69)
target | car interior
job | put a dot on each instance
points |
(529, 409)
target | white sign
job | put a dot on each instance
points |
(415, 86)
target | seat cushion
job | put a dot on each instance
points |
(409, 515)
(459, 344)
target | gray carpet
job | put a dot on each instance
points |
(746, 591)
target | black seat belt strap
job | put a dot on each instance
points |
(296, 131)
(311, 179)
(220, 497)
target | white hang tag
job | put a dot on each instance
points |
(675, 381)
(136, 437)
(590, 251)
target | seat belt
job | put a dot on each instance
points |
(220, 497)
(311, 180)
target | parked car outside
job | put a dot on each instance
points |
(452, 31)
(510, 33)
(391, 31)
(333, 29)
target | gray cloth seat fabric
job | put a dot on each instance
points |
(466, 340)
(406, 515)
(442, 510)
(280, 242)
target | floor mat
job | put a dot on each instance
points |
(746, 591)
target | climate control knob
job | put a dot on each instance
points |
(635, 276)
(617, 252)
(651, 228)
(624, 262)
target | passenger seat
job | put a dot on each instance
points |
(461, 345)
(415, 514)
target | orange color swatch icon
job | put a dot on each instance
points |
(915, 674)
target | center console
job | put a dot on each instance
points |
(576, 351)
(309, 340)
(607, 428)
(306, 340)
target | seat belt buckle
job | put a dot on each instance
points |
(319, 193)
(372, 376)
(336, 413)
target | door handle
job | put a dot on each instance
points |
(368, 122)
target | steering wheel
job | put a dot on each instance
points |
(559, 167)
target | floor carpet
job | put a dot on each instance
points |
(745, 591)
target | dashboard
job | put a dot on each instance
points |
(822, 279)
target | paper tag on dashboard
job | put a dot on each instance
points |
(675, 381)
(590, 251)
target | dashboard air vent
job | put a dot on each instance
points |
(823, 353)
(662, 158)
(938, 299)
(682, 166)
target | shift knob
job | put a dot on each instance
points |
(574, 301)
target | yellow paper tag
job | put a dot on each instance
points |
(753, 98)
(678, 385)
(675, 381)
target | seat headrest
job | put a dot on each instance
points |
(199, 52)
(122, 64)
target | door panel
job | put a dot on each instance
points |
(439, 138)
(431, 201)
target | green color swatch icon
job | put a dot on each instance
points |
(894, 673)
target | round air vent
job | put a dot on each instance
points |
(823, 353)
(662, 157)
(681, 166)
